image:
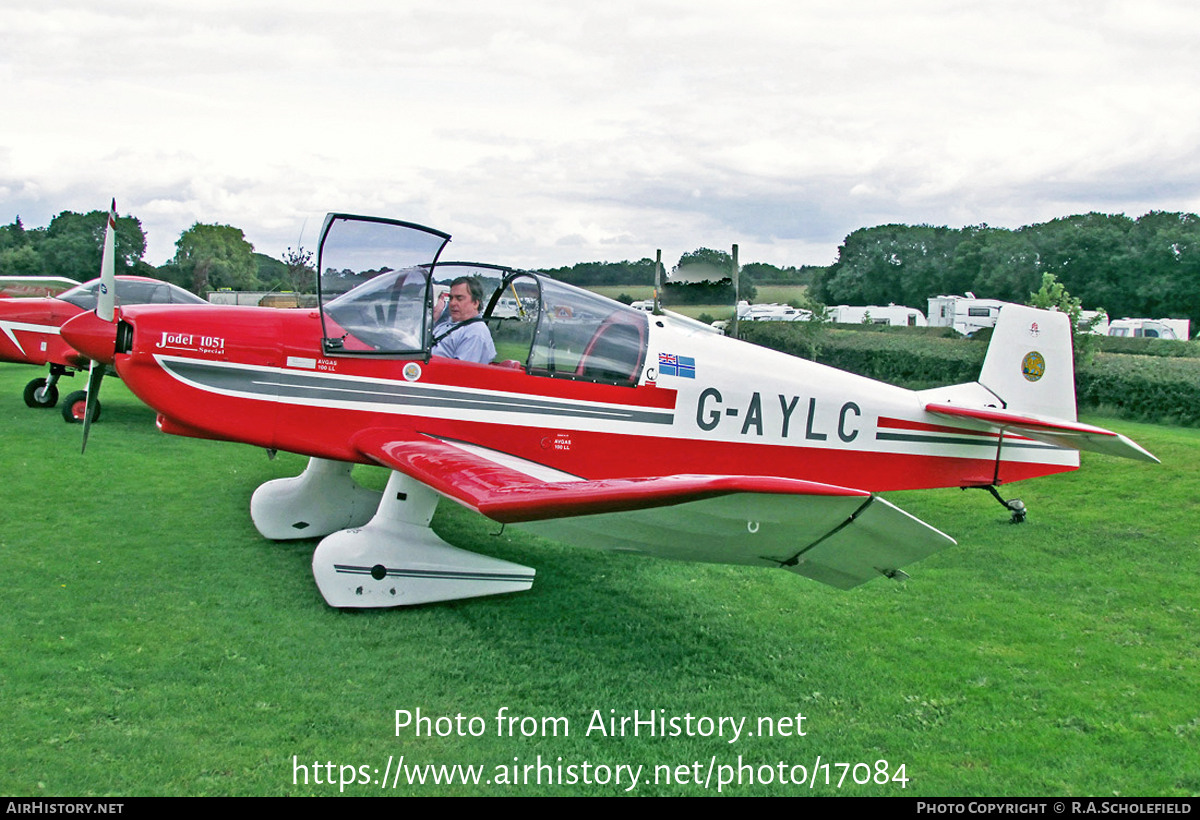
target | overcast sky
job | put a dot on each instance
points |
(546, 133)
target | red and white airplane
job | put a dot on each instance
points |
(599, 425)
(29, 333)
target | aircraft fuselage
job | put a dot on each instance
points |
(702, 404)
(29, 332)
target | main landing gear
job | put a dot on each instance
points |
(392, 559)
(41, 393)
(44, 392)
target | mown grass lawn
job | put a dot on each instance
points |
(153, 644)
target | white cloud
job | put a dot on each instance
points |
(545, 133)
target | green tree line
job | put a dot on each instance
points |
(641, 272)
(207, 257)
(71, 245)
(1148, 266)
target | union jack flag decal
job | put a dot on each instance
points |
(671, 365)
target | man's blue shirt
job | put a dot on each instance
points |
(469, 342)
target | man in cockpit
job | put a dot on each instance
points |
(460, 332)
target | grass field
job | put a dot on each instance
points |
(154, 644)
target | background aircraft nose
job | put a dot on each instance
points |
(92, 336)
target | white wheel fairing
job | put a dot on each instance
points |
(322, 499)
(397, 560)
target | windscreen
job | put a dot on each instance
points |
(132, 292)
(374, 284)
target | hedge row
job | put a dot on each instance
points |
(1135, 346)
(902, 330)
(1150, 347)
(916, 361)
(1137, 387)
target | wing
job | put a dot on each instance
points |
(838, 535)
(1069, 434)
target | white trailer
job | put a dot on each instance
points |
(771, 313)
(1099, 326)
(966, 314)
(1151, 328)
(893, 315)
(261, 298)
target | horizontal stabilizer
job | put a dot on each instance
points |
(1069, 434)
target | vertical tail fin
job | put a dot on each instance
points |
(1030, 363)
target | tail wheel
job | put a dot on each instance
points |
(40, 394)
(75, 406)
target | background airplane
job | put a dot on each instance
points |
(598, 425)
(29, 333)
(19, 287)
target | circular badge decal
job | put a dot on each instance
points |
(412, 371)
(1033, 366)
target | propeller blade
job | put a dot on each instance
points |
(106, 301)
(95, 376)
(108, 280)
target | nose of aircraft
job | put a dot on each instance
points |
(91, 336)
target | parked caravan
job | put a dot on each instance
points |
(771, 313)
(893, 315)
(966, 314)
(1151, 328)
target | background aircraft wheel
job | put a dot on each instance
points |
(37, 394)
(76, 405)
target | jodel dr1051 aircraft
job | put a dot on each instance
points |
(29, 333)
(597, 425)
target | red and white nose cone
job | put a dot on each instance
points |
(91, 336)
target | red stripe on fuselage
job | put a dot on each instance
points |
(906, 424)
